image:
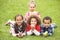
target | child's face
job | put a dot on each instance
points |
(33, 21)
(19, 20)
(47, 23)
(31, 7)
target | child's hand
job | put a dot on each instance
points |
(20, 35)
(45, 34)
(32, 27)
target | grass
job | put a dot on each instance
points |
(9, 8)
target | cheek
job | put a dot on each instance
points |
(34, 23)
(19, 23)
(29, 7)
(47, 24)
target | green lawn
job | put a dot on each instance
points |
(9, 8)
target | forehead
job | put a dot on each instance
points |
(47, 21)
(33, 19)
(18, 17)
(31, 5)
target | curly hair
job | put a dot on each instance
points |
(33, 16)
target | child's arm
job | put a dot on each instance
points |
(28, 30)
(9, 22)
(37, 30)
(26, 17)
(42, 30)
(50, 32)
(38, 14)
(13, 32)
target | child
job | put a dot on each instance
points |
(33, 25)
(47, 29)
(18, 29)
(31, 11)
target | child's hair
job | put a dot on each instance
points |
(18, 15)
(32, 2)
(17, 30)
(37, 18)
(47, 18)
(24, 25)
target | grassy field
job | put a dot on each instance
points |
(9, 8)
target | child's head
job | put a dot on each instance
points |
(19, 19)
(32, 6)
(47, 21)
(34, 20)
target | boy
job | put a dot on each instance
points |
(47, 28)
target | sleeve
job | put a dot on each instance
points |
(38, 14)
(50, 32)
(28, 28)
(38, 28)
(24, 33)
(26, 16)
(10, 22)
(42, 31)
(36, 32)
(13, 32)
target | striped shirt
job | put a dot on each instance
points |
(28, 14)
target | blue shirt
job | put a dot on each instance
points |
(49, 30)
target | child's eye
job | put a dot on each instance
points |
(18, 20)
(32, 7)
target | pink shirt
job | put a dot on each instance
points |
(28, 14)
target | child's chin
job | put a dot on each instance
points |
(32, 25)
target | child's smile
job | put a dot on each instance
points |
(19, 20)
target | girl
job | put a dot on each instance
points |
(18, 29)
(31, 11)
(33, 25)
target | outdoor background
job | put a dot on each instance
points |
(9, 8)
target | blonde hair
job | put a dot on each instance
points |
(32, 2)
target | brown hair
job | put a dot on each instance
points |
(24, 25)
(37, 18)
(18, 15)
(47, 18)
